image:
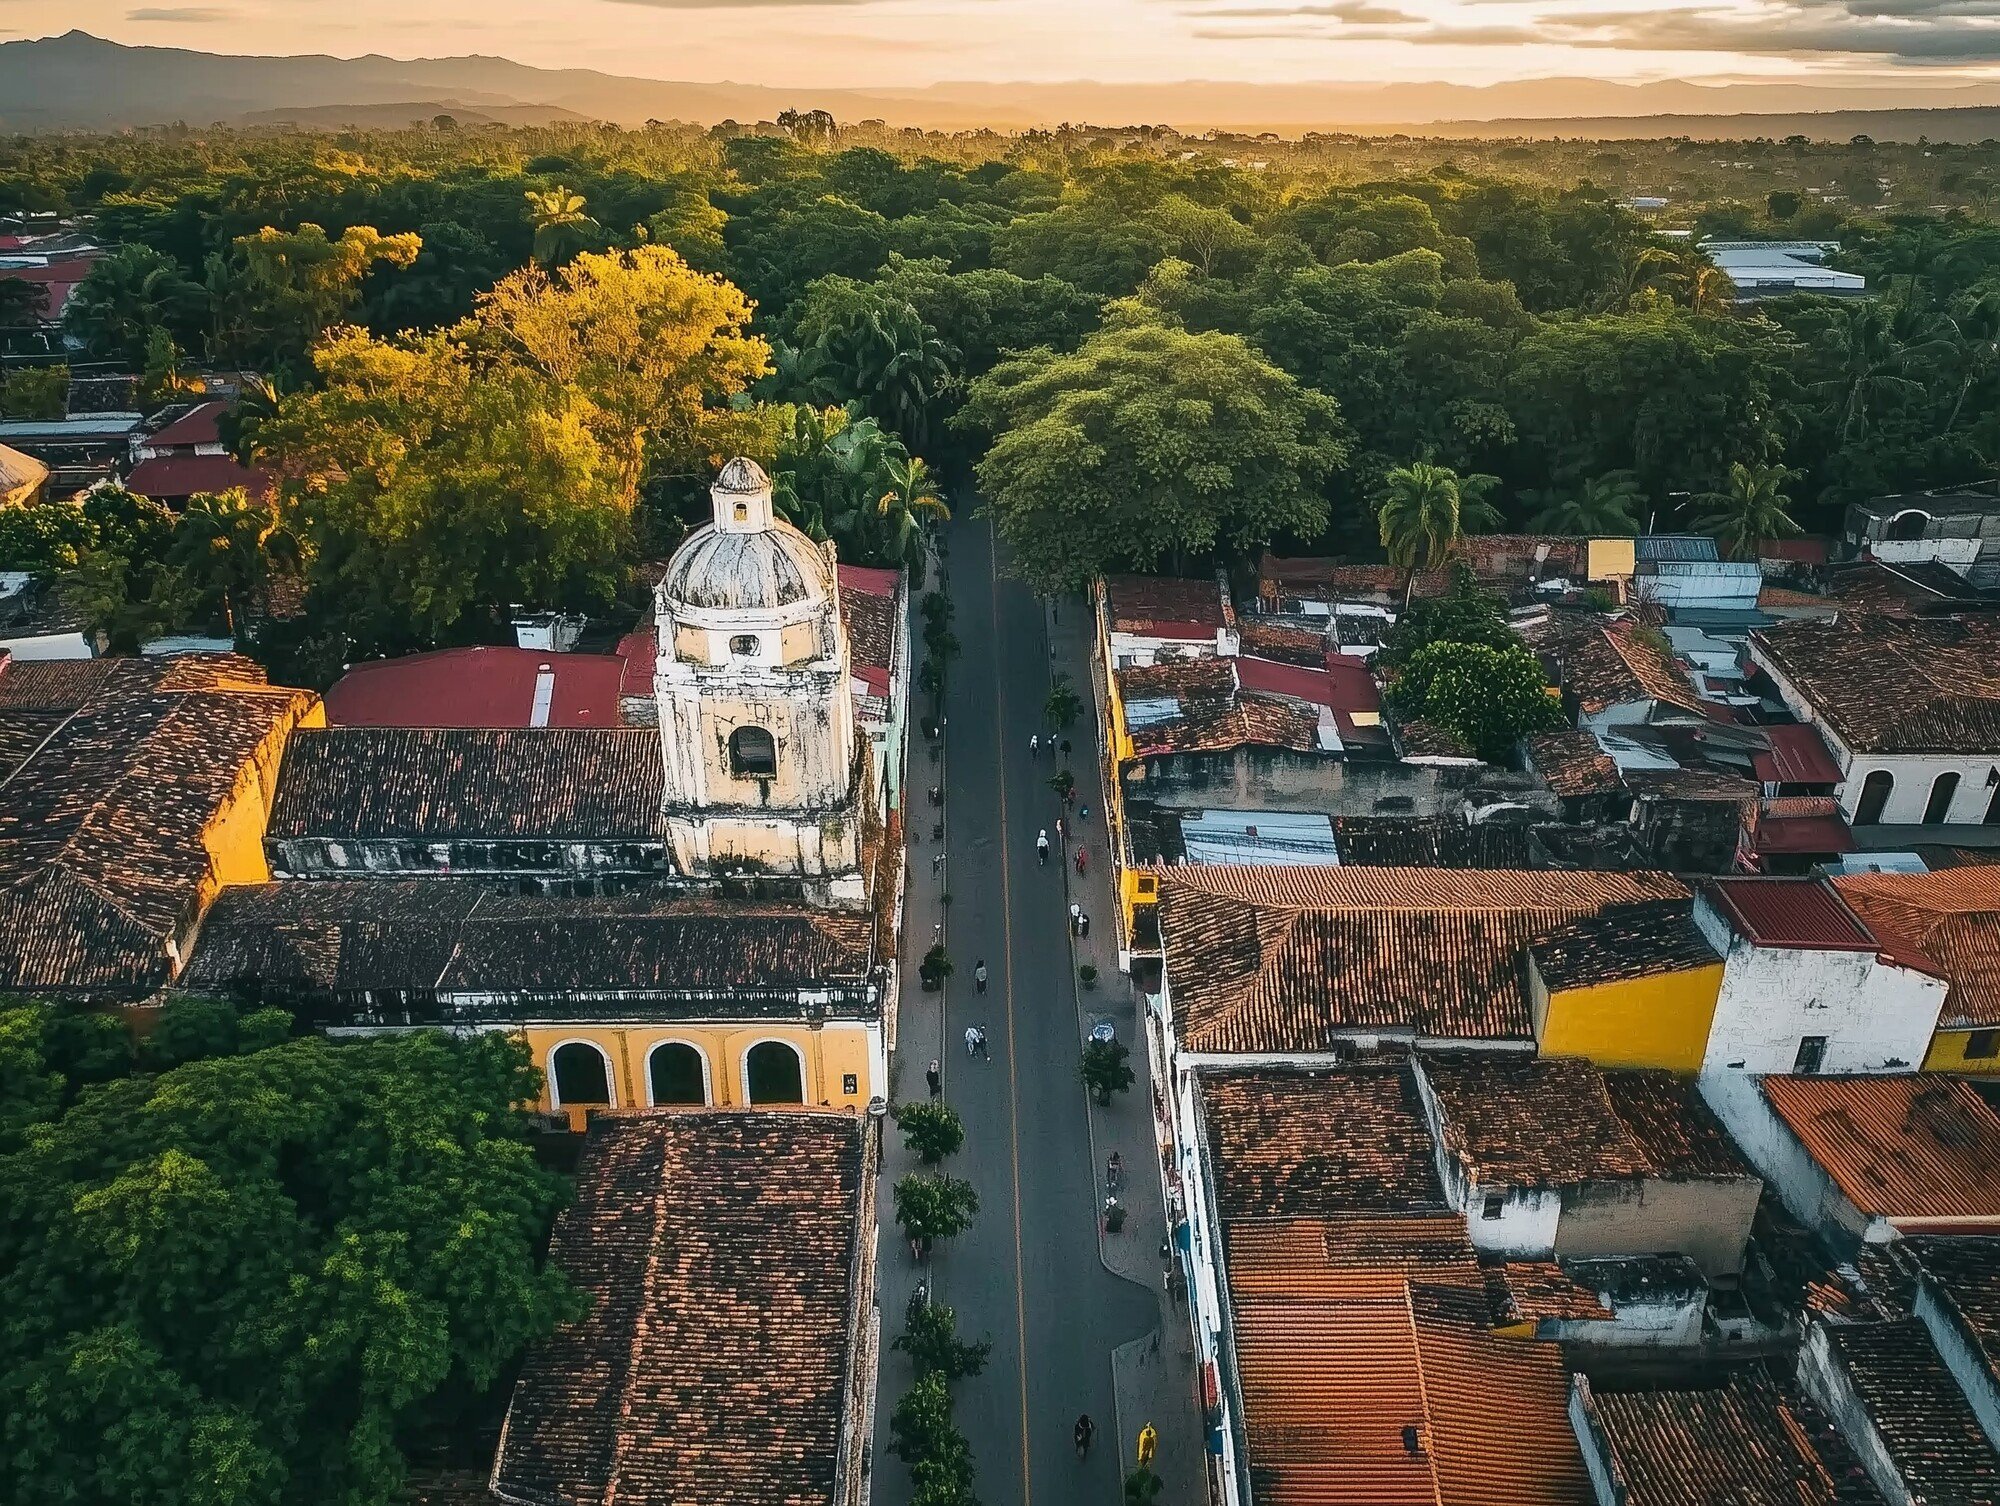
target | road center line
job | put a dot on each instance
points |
(1007, 954)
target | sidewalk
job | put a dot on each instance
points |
(1153, 1378)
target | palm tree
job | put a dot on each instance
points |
(227, 543)
(1703, 286)
(1975, 340)
(127, 295)
(1604, 507)
(1749, 508)
(1641, 268)
(909, 508)
(1421, 512)
(560, 223)
(1878, 341)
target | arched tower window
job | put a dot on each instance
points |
(676, 1073)
(774, 1072)
(1907, 525)
(1875, 792)
(753, 753)
(1938, 808)
(579, 1074)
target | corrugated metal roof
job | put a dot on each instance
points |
(1674, 546)
(1259, 837)
(1804, 914)
(1797, 755)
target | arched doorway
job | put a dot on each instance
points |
(1875, 792)
(677, 1073)
(1944, 789)
(774, 1072)
(579, 1075)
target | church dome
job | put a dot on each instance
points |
(748, 559)
(746, 572)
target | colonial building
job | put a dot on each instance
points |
(764, 771)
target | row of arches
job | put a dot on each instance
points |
(677, 1074)
(1881, 784)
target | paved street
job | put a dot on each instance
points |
(1028, 1276)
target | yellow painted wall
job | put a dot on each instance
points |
(1947, 1054)
(830, 1053)
(234, 835)
(1661, 1020)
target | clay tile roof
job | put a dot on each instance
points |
(868, 607)
(723, 1253)
(1573, 763)
(1352, 1255)
(1744, 1443)
(104, 819)
(1802, 913)
(1286, 1144)
(557, 784)
(1952, 919)
(1263, 959)
(1429, 842)
(1915, 1148)
(1963, 1274)
(1892, 685)
(1623, 941)
(1285, 645)
(1560, 1121)
(1193, 706)
(1609, 664)
(1933, 1437)
(1330, 1385)
(1164, 606)
(351, 936)
(1531, 1290)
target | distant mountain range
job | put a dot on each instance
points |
(81, 82)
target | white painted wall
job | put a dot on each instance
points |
(1768, 1144)
(1824, 1379)
(1982, 1392)
(1876, 1017)
(1914, 775)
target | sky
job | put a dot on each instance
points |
(916, 42)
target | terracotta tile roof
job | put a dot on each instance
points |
(1288, 1144)
(1888, 685)
(349, 936)
(1287, 959)
(1743, 1443)
(1695, 784)
(1330, 1385)
(1194, 706)
(1532, 1290)
(1932, 1435)
(1285, 645)
(870, 614)
(1915, 589)
(1558, 1121)
(1950, 918)
(1165, 606)
(1429, 842)
(1917, 1148)
(724, 1255)
(1963, 1275)
(1365, 1255)
(1806, 914)
(1422, 738)
(1573, 763)
(1605, 664)
(1771, 598)
(596, 784)
(1623, 941)
(166, 478)
(102, 853)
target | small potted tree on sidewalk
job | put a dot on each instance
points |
(933, 1207)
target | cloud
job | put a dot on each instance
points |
(197, 13)
(1353, 12)
(738, 4)
(1904, 31)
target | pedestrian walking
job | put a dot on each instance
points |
(1075, 914)
(1149, 1444)
(1042, 846)
(984, 1050)
(934, 1075)
(1082, 859)
(1069, 796)
(937, 795)
(1034, 745)
(1062, 829)
(1083, 815)
(972, 1040)
(1082, 924)
(979, 975)
(937, 862)
(1065, 750)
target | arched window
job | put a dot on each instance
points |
(1875, 791)
(677, 1073)
(774, 1072)
(579, 1074)
(1944, 788)
(743, 645)
(1907, 525)
(753, 753)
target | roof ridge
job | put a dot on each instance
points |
(1424, 1392)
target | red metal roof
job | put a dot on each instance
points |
(1798, 755)
(1803, 551)
(477, 687)
(1345, 684)
(639, 648)
(196, 427)
(869, 579)
(1805, 914)
(169, 476)
(59, 277)
(1807, 834)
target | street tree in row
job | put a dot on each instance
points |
(931, 1130)
(1106, 1068)
(933, 1207)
